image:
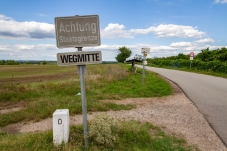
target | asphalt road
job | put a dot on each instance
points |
(208, 93)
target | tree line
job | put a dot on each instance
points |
(209, 60)
(205, 55)
(12, 62)
(9, 62)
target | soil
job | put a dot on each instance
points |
(175, 114)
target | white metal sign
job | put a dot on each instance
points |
(79, 58)
(77, 31)
(145, 50)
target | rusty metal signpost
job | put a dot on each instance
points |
(79, 32)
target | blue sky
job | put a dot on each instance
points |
(167, 27)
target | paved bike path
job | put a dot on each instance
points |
(208, 93)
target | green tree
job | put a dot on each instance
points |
(124, 53)
(2, 62)
(44, 62)
(183, 56)
(205, 55)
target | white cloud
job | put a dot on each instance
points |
(9, 28)
(220, 1)
(30, 52)
(181, 44)
(143, 31)
(205, 41)
(18, 47)
(3, 17)
(109, 52)
(37, 30)
(104, 47)
(24, 47)
(216, 47)
(194, 44)
(42, 15)
(171, 30)
(115, 31)
(30, 29)
(2, 47)
(168, 30)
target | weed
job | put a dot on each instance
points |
(131, 135)
(103, 130)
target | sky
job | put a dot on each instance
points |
(167, 27)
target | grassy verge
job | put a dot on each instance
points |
(209, 72)
(132, 136)
(39, 99)
(103, 82)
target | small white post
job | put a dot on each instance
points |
(61, 126)
(144, 51)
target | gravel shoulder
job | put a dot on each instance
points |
(175, 114)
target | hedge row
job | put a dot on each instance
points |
(215, 66)
(9, 62)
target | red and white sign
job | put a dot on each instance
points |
(191, 54)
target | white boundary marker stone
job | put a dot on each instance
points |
(61, 126)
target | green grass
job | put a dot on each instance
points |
(144, 136)
(15, 71)
(153, 86)
(57, 88)
(132, 136)
(103, 82)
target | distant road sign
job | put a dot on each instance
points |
(191, 54)
(145, 50)
(79, 58)
(77, 31)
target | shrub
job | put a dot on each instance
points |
(103, 130)
(215, 66)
